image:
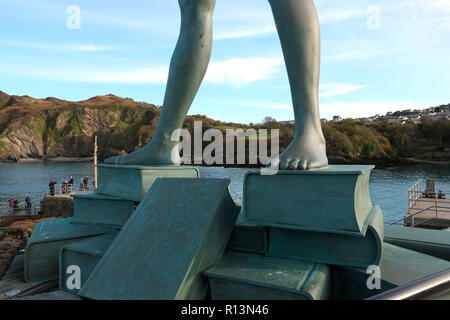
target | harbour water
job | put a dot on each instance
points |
(388, 187)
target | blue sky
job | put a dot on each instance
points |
(377, 56)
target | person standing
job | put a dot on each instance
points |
(11, 202)
(51, 187)
(70, 185)
(81, 183)
(28, 202)
(86, 182)
(64, 187)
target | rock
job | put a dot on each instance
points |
(8, 250)
(49, 128)
(21, 230)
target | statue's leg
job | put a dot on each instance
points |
(187, 69)
(299, 31)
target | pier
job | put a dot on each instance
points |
(427, 208)
(59, 193)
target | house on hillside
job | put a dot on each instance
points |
(442, 115)
(415, 118)
(337, 119)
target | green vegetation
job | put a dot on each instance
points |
(227, 128)
(385, 140)
(122, 126)
(5, 100)
(74, 124)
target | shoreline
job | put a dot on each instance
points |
(57, 159)
(379, 163)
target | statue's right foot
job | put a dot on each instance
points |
(307, 151)
(153, 153)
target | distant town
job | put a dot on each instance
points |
(433, 113)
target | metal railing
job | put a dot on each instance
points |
(420, 289)
(59, 189)
(412, 216)
(67, 189)
(414, 193)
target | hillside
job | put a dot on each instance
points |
(50, 128)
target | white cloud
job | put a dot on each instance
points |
(161, 25)
(250, 25)
(360, 109)
(234, 72)
(58, 47)
(339, 89)
(259, 104)
(156, 75)
(84, 47)
(432, 13)
(333, 16)
(255, 19)
(235, 33)
(241, 72)
(362, 53)
(352, 109)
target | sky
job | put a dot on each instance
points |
(377, 55)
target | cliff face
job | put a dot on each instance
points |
(49, 128)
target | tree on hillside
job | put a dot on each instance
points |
(268, 120)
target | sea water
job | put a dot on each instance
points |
(388, 187)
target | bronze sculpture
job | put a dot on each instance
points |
(299, 32)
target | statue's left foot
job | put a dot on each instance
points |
(307, 151)
(154, 153)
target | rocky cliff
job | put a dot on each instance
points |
(49, 128)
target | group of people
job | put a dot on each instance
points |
(68, 185)
(84, 183)
(14, 203)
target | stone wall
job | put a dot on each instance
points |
(57, 206)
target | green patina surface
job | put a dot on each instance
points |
(133, 182)
(85, 254)
(398, 266)
(180, 228)
(334, 200)
(249, 237)
(329, 248)
(42, 251)
(243, 276)
(432, 242)
(96, 208)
